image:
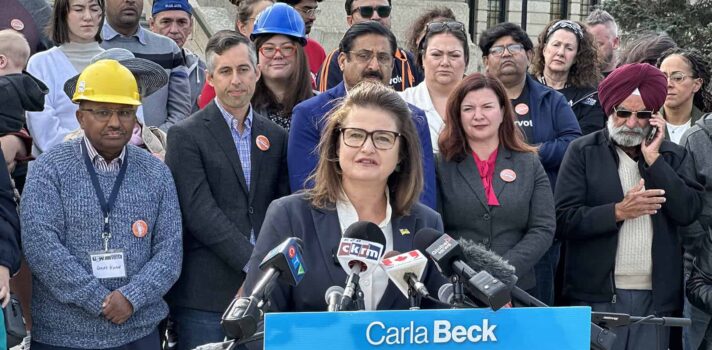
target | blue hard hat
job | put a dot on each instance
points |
(280, 18)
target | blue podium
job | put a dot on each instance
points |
(565, 328)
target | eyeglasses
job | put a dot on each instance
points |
(677, 77)
(287, 50)
(381, 139)
(103, 115)
(367, 11)
(622, 113)
(365, 56)
(512, 48)
(442, 26)
(311, 12)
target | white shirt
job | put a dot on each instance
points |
(420, 97)
(373, 283)
(676, 131)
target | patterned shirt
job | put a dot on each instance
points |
(100, 163)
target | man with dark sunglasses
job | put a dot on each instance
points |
(543, 114)
(622, 193)
(404, 74)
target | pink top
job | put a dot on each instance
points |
(486, 169)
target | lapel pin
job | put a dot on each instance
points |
(404, 231)
(262, 143)
(508, 175)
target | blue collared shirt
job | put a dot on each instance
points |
(108, 33)
(243, 144)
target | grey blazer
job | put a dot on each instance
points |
(218, 208)
(520, 229)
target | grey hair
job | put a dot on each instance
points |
(599, 16)
(225, 40)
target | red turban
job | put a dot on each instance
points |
(623, 81)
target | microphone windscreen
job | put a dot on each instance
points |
(390, 254)
(445, 293)
(333, 289)
(425, 237)
(480, 258)
(366, 231)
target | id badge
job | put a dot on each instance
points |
(108, 264)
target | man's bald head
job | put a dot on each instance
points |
(14, 52)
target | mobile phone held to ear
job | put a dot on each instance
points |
(651, 135)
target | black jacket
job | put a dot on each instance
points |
(586, 193)
(19, 93)
(699, 285)
(584, 102)
(9, 223)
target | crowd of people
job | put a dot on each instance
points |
(144, 184)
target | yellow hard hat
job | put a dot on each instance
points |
(107, 81)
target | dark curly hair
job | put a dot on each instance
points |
(417, 29)
(700, 70)
(490, 35)
(586, 71)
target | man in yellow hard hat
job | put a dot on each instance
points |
(101, 225)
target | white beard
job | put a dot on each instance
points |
(624, 139)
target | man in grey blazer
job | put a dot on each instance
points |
(229, 163)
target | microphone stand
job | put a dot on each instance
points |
(359, 300)
(609, 320)
(458, 296)
(414, 299)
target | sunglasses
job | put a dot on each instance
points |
(443, 26)
(622, 113)
(367, 11)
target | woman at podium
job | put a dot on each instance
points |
(369, 170)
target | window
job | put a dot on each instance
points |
(496, 12)
(560, 9)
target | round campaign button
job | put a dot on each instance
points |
(521, 109)
(262, 142)
(17, 24)
(508, 175)
(139, 228)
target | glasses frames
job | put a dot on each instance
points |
(512, 48)
(365, 56)
(381, 139)
(287, 50)
(678, 77)
(104, 114)
(368, 11)
(622, 113)
(310, 12)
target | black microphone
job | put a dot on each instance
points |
(360, 250)
(333, 297)
(448, 256)
(284, 263)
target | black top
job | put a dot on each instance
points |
(584, 102)
(524, 118)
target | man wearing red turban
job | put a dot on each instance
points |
(621, 194)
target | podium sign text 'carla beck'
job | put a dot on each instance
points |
(566, 328)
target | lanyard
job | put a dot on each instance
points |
(105, 206)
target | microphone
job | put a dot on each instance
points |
(405, 271)
(283, 263)
(448, 255)
(333, 297)
(446, 293)
(480, 258)
(360, 250)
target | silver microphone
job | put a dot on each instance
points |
(333, 297)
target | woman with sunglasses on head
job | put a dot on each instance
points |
(567, 60)
(416, 32)
(279, 37)
(76, 27)
(443, 55)
(492, 187)
(688, 97)
(369, 170)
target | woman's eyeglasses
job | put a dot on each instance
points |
(287, 50)
(367, 11)
(622, 113)
(677, 77)
(381, 139)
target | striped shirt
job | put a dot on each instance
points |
(100, 163)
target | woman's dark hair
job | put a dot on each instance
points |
(405, 184)
(453, 141)
(300, 87)
(459, 35)
(58, 28)
(417, 29)
(700, 70)
(645, 48)
(493, 34)
(586, 70)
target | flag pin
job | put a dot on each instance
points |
(404, 231)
